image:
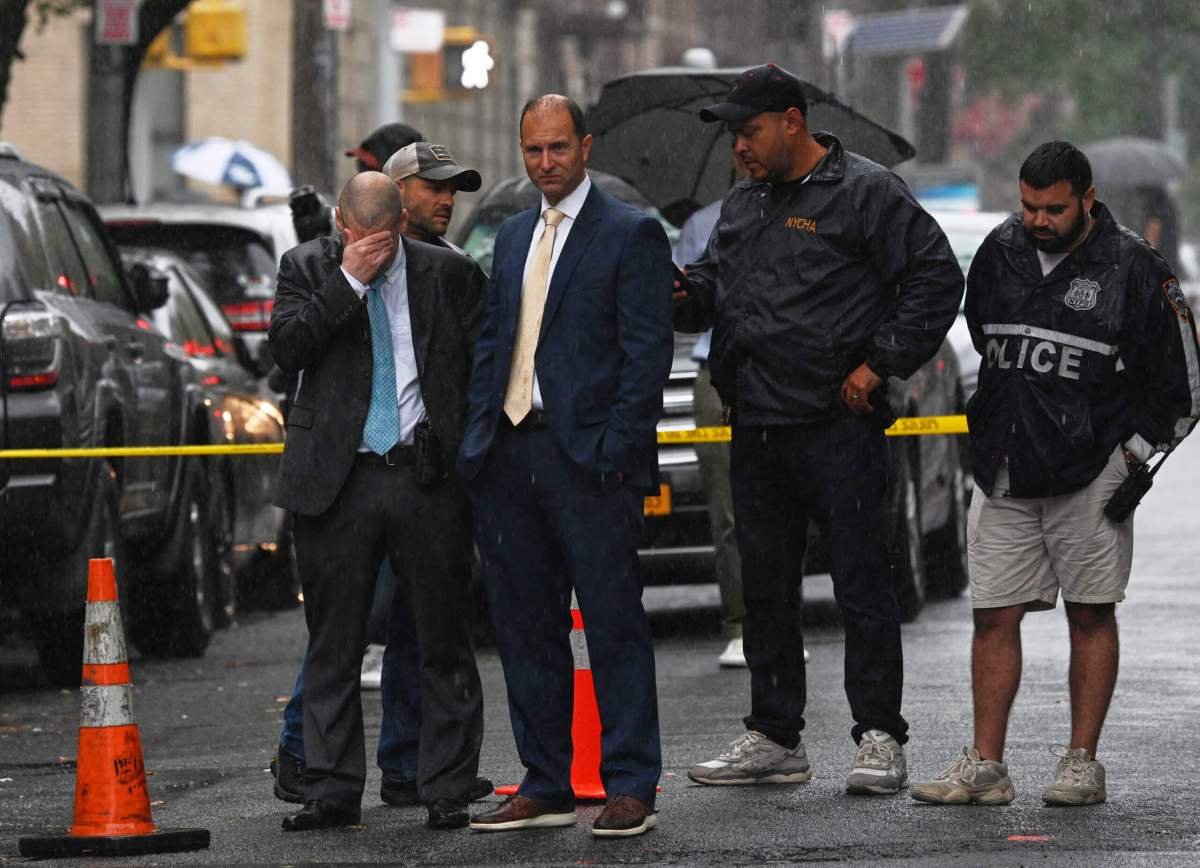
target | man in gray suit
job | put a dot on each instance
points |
(380, 331)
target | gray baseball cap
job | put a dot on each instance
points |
(433, 163)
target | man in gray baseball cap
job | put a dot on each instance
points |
(428, 177)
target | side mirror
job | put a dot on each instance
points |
(259, 362)
(150, 287)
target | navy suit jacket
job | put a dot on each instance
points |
(605, 348)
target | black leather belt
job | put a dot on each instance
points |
(397, 456)
(533, 420)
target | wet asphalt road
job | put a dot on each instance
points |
(208, 728)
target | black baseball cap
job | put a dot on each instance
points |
(767, 88)
(433, 163)
(382, 143)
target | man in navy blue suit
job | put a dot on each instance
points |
(566, 391)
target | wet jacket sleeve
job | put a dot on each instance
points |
(977, 291)
(909, 251)
(305, 317)
(470, 305)
(1164, 361)
(483, 363)
(644, 333)
(698, 312)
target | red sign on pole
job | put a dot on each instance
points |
(116, 22)
(337, 14)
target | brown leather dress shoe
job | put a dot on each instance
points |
(521, 812)
(624, 817)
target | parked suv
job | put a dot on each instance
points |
(234, 249)
(81, 365)
(925, 518)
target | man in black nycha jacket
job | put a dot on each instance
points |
(380, 331)
(822, 278)
(1089, 367)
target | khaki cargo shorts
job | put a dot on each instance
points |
(1024, 550)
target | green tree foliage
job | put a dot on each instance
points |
(1093, 68)
(1104, 62)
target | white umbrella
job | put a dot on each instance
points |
(231, 163)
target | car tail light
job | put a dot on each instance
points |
(249, 316)
(32, 346)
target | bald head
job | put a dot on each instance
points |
(552, 104)
(371, 202)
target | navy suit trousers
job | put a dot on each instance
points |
(542, 530)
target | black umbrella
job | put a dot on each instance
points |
(647, 130)
(1129, 161)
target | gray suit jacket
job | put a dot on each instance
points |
(319, 326)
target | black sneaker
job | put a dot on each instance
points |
(288, 771)
(403, 794)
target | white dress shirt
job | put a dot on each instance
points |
(408, 385)
(569, 206)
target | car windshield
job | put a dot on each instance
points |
(20, 257)
(231, 261)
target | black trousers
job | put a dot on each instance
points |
(834, 472)
(426, 536)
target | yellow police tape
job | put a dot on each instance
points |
(143, 451)
(907, 426)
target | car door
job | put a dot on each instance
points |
(250, 413)
(142, 348)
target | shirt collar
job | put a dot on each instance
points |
(573, 202)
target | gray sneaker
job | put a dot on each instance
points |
(969, 780)
(880, 768)
(1079, 780)
(755, 759)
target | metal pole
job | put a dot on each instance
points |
(388, 105)
(314, 98)
(107, 123)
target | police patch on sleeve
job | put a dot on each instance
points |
(1175, 298)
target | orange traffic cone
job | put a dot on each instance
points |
(112, 805)
(585, 721)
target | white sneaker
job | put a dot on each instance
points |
(752, 758)
(733, 656)
(879, 766)
(371, 676)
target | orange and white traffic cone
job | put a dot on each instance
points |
(112, 805)
(585, 721)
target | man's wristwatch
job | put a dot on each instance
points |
(1131, 461)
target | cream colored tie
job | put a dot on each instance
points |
(518, 398)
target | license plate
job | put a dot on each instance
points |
(659, 504)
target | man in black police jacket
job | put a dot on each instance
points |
(823, 278)
(1089, 368)
(380, 331)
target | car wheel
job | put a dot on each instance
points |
(905, 548)
(175, 612)
(946, 563)
(221, 534)
(59, 635)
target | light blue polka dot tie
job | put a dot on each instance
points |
(382, 429)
